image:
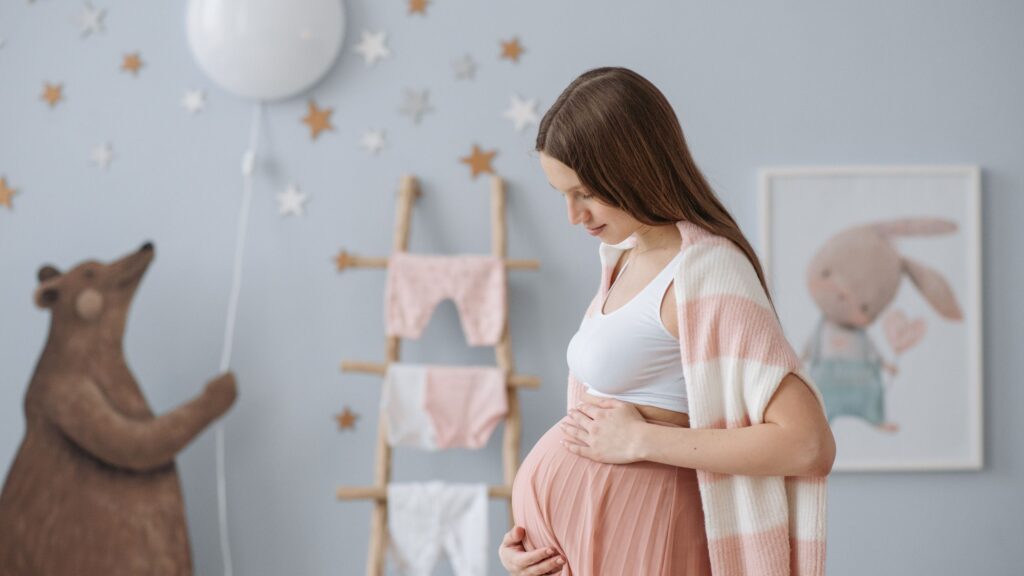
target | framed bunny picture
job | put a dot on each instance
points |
(875, 272)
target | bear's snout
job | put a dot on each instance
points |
(147, 247)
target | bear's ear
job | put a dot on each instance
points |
(47, 272)
(47, 296)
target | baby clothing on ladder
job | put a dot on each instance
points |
(425, 518)
(417, 283)
(440, 407)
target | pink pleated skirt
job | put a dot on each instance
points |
(642, 518)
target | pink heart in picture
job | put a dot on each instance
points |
(902, 333)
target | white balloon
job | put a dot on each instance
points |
(265, 49)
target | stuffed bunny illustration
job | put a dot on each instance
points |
(853, 278)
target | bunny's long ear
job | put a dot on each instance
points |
(916, 227)
(934, 288)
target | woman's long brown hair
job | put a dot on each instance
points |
(618, 132)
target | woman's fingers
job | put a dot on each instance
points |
(529, 559)
(514, 535)
(549, 566)
(533, 563)
(572, 429)
(567, 429)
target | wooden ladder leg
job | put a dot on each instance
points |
(408, 193)
(503, 350)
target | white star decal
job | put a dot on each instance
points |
(194, 101)
(522, 112)
(372, 47)
(416, 104)
(91, 20)
(373, 140)
(102, 154)
(291, 201)
(465, 69)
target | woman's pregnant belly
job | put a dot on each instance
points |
(638, 518)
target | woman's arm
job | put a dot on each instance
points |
(794, 440)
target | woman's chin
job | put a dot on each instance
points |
(609, 238)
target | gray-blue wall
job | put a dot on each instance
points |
(754, 84)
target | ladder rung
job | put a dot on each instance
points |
(518, 380)
(381, 493)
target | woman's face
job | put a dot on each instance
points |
(608, 223)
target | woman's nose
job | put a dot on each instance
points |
(574, 213)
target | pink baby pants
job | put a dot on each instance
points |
(417, 283)
(440, 407)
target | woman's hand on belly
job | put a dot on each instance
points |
(518, 562)
(603, 429)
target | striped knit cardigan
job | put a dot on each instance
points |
(734, 356)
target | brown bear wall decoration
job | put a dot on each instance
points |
(94, 489)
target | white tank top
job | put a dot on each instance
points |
(628, 353)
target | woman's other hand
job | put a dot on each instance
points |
(519, 562)
(605, 431)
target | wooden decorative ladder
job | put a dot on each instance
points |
(408, 193)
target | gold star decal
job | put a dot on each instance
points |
(342, 260)
(318, 119)
(479, 160)
(53, 93)
(132, 63)
(347, 419)
(511, 49)
(6, 193)
(418, 7)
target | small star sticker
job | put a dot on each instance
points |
(372, 47)
(373, 141)
(479, 161)
(418, 7)
(346, 419)
(291, 201)
(132, 63)
(342, 260)
(416, 104)
(511, 50)
(53, 93)
(194, 101)
(102, 154)
(6, 193)
(465, 69)
(522, 112)
(91, 20)
(318, 119)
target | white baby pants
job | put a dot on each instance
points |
(425, 518)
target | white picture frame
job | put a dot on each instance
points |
(832, 240)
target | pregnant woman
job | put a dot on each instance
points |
(694, 442)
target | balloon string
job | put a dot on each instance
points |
(248, 165)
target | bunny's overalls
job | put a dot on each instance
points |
(849, 374)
